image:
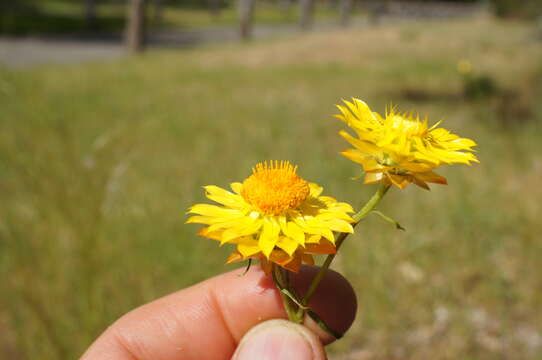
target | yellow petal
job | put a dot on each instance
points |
(236, 187)
(339, 226)
(215, 235)
(213, 210)
(287, 244)
(362, 145)
(280, 257)
(296, 233)
(232, 201)
(398, 180)
(224, 197)
(268, 237)
(324, 247)
(313, 239)
(373, 178)
(243, 230)
(431, 177)
(420, 183)
(247, 249)
(292, 263)
(331, 215)
(234, 257)
(237, 223)
(315, 189)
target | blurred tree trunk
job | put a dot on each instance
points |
(346, 11)
(90, 13)
(135, 26)
(214, 7)
(306, 9)
(246, 15)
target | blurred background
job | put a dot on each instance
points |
(114, 114)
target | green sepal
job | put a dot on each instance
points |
(247, 268)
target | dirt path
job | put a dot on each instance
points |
(28, 52)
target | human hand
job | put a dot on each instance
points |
(225, 317)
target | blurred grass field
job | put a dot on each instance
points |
(99, 162)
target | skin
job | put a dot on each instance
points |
(209, 319)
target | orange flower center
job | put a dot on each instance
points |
(275, 188)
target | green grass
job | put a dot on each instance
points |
(99, 162)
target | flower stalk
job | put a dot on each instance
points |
(365, 210)
(295, 307)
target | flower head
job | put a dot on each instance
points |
(400, 148)
(274, 216)
(464, 66)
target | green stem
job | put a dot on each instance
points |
(282, 281)
(370, 205)
(365, 210)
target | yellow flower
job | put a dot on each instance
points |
(464, 66)
(400, 149)
(274, 216)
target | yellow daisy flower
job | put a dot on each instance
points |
(400, 149)
(274, 216)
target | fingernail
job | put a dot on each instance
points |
(276, 340)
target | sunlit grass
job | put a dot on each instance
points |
(99, 162)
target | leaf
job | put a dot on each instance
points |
(390, 220)
(292, 297)
(323, 325)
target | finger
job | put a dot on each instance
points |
(207, 321)
(280, 339)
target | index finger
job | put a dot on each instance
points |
(207, 320)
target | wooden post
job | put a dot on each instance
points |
(285, 5)
(306, 9)
(90, 13)
(245, 9)
(346, 11)
(214, 7)
(135, 26)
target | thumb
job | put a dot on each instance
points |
(279, 340)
